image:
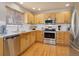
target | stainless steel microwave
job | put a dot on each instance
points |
(48, 21)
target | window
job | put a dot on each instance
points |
(14, 17)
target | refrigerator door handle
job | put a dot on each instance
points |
(73, 24)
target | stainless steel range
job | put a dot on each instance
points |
(50, 34)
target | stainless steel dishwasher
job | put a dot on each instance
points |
(11, 45)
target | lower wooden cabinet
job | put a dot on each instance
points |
(32, 37)
(1, 46)
(39, 36)
(60, 37)
(63, 37)
(22, 42)
(27, 39)
(67, 38)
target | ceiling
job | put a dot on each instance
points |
(45, 6)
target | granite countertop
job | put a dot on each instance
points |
(17, 33)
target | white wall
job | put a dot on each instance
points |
(2, 13)
(15, 7)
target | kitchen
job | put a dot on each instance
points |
(38, 29)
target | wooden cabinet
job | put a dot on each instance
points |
(60, 17)
(67, 17)
(27, 39)
(39, 18)
(60, 37)
(67, 38)
(23, 42)
(33, 37)
(50, 15)
(63, 38)
(1, 46)
(29, 18)
(39, 36)
(63, 17)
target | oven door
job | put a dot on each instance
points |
(49, 35)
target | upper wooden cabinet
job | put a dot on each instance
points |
(63, 17)
(39, 18)
(50, 15)
(29, 18)
(60, 17)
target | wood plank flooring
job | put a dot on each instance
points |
(40, 49)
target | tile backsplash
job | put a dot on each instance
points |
(17, 28)
(11, 28)
(26, 27)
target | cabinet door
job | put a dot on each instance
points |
(29, 18)
(29, 39)
(60, 17)
(50, 15)
(40, 36)
(47, 15)
(60, 37)
(63, 17)
(67, 38)
(1, 46)
(23, 42)
(67, 16)
(63, 38)
(39, 18)
(32, 38)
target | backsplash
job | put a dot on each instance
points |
(26, 27)
(11, 28)
(64, 27)
(40, 26)
(17, 28)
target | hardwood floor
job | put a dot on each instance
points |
(40, 49)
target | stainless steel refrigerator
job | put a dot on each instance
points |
(74, 32)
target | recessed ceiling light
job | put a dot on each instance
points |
(33, 8)
(67, 5)
(21, 2)
(39, 9)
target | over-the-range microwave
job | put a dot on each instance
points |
(49, 21)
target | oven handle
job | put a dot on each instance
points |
(49, 32)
